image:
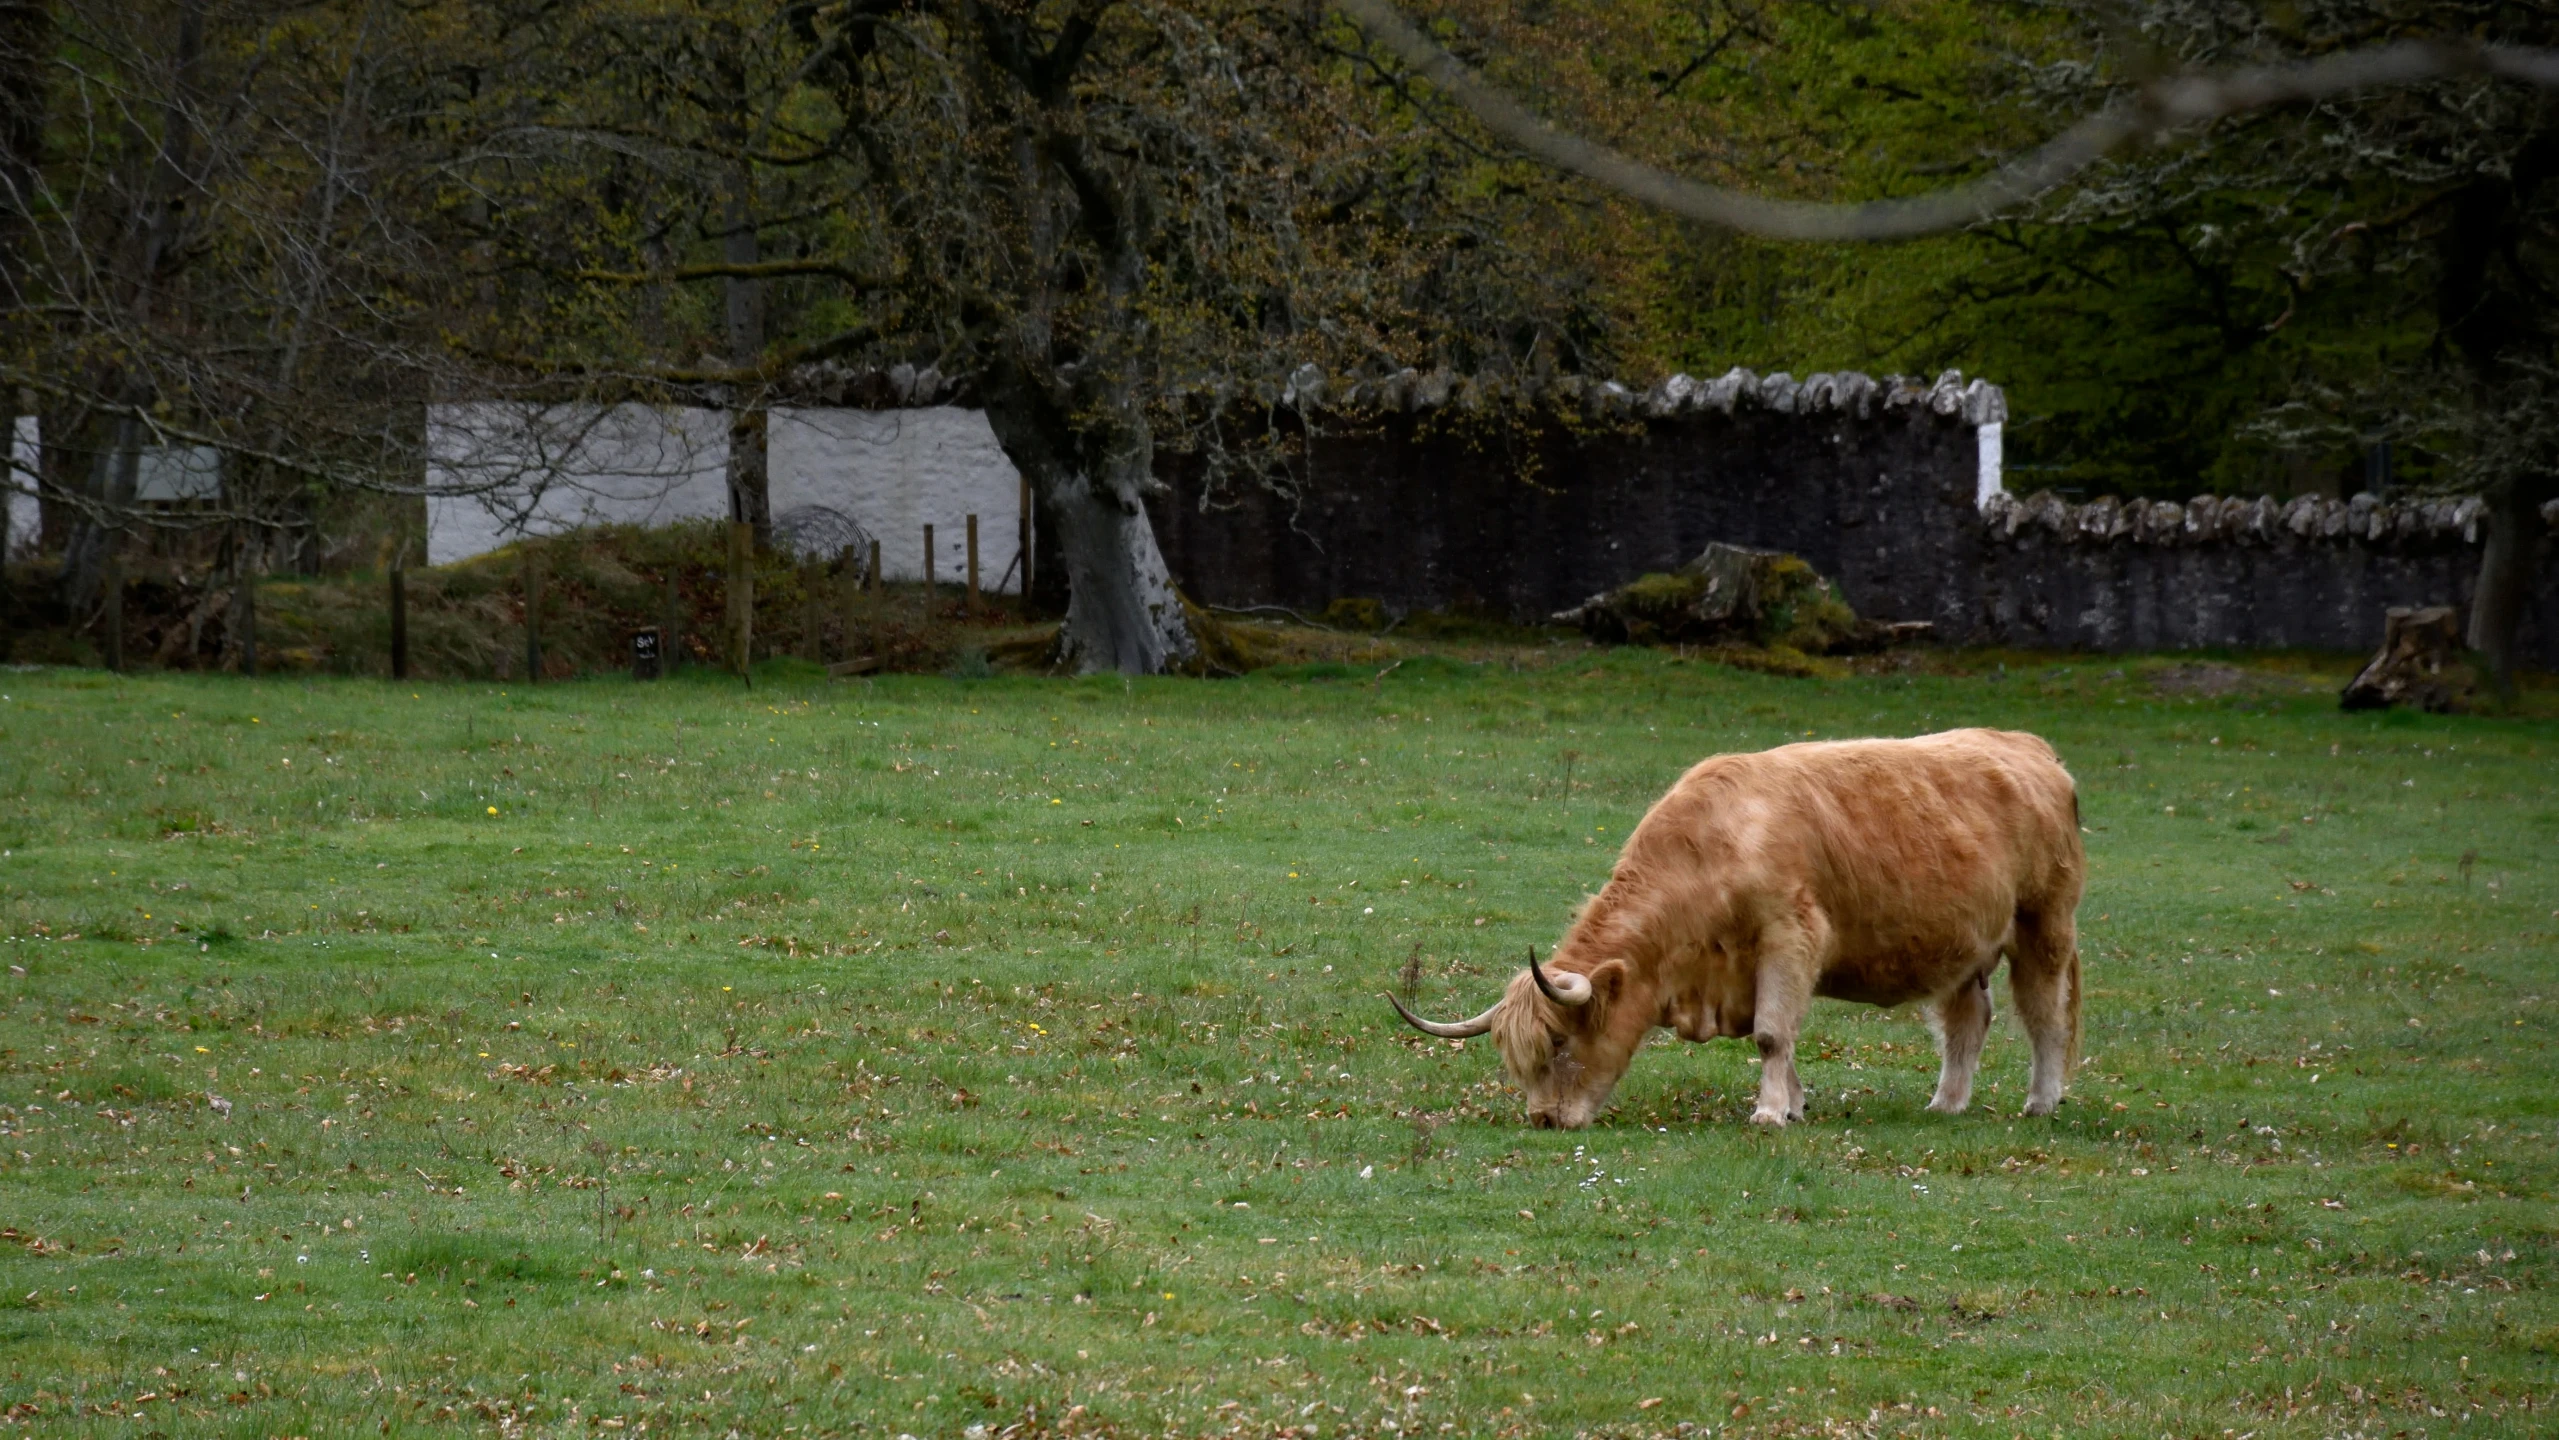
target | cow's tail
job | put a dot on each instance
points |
(2072, 1068)
(2071, 1065)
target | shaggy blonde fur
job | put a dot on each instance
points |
(1881, 871)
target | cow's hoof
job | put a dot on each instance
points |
(1768, 1117)
(1944, 1106)
(2042, 1107)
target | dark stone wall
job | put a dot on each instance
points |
(2042, 590)
(2314, 573)
(1425, 515)
(1434, 510)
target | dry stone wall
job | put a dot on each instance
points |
(1428, 493)
(2313, 571)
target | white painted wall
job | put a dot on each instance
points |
(893, 472)
(169, 473)
(166, 474)
(26, 518)
(835, 477)
(1990, 481)
(542, 470)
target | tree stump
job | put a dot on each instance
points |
(2420, 664)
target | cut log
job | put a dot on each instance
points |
(2421, 663)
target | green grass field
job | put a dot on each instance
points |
(932, 1054)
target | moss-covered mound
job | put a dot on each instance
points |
(467, 620)
(1730, 595)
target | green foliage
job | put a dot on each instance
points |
(790, 1050)
(2246, 306)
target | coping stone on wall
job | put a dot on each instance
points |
(1847, 392)
(2367, 519)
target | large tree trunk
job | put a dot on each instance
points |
(10, 480)
(111, 493)
(1122, 612)
(26, 52)
(240, 626)
(1066, 406)
(163, 218)
(2505, 579)
(750, 491)
(2485, 305)
(9, 473)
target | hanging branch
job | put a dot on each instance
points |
(2154, 108)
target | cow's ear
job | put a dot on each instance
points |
(1608, 981)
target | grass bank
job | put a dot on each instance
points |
(907, 1056)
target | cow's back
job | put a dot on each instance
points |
(1918, 853)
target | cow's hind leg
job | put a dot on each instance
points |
(2043, 979)
(1961, 1017)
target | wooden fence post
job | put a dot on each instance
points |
(874, 574)
(741, 596)
(1022, 523)
(928, 568)
(671, 623)
(240, 627)
(813, 613)
(972, 604)
(532, 613)
(848, 595)
(399, 621)
(111, 618)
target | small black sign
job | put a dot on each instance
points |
(645, 661)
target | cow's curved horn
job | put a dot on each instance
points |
(1446, 1030)
(1568, 990)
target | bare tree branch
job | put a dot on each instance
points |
(2158, 106)
(752, 270)
(162, 432)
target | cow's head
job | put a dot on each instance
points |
(1557, 1038)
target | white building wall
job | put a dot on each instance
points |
(166, 474)
(170, 474)
(835, 477)
(498, 472)
(891, 473)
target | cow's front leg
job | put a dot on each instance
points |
(1961, 1018)
(1785, 993)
